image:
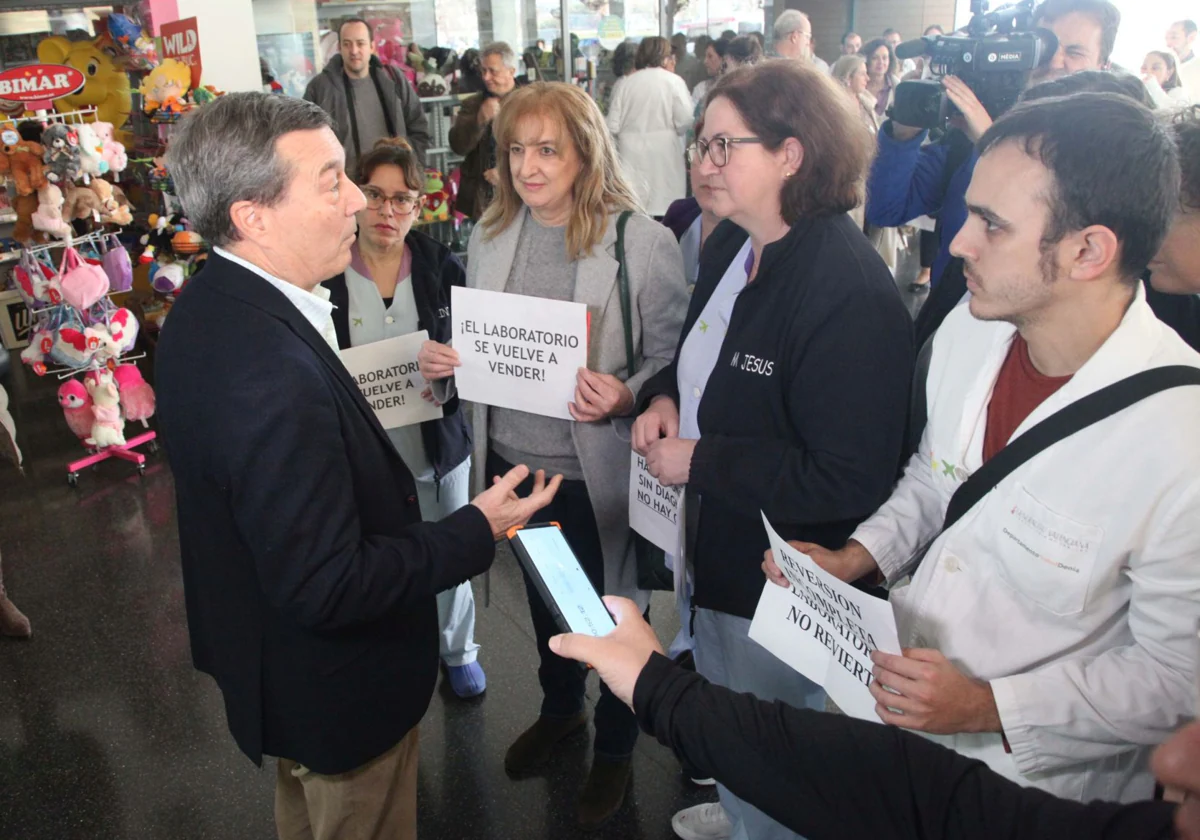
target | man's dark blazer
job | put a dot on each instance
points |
(308, 574)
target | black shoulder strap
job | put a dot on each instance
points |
(623, 282)
(1062, 424)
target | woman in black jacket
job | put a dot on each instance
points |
(833, 777)
(399, 282)
(789, 391)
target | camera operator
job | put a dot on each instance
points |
(910, 179)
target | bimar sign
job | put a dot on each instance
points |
(40, 82)
(181, 41)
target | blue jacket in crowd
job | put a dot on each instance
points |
(909, 180)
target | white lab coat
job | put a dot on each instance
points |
(649, 115)
(1074, 587)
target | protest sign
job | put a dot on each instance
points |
(655, 511)
(824, 628)
(518, 351)
(386, 373)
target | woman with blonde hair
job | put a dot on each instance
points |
(649, 115)
(850, 71)
(551, 231)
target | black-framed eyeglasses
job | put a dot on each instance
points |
(400, 203)
(718, 147)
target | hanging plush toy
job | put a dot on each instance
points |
(91, 153)
(112, 151)
(81, 203)
(165, 89)
(77, 407)
(137, 397)
(62, 158)
(139, 52)
(112, 212)
(22, 161)
(108, 427)
(49, 215)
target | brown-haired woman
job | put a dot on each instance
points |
(550, 232)
(883, 73)
(399, 282)
(789, 392)
(649, 115)
(1160, 73)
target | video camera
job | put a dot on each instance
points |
(995, 59)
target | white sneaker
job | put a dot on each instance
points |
(703, 822)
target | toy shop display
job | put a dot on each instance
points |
(78, 328)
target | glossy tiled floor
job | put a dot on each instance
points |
(107, 733)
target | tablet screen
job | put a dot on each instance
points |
(569, 586)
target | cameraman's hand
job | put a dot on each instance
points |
(977, 117)
(502, 506)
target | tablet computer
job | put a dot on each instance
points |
(543, 552)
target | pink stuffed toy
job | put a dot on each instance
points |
(137, 397)
(77, 407)
(112, 152)
(108, 427)
(49, 216)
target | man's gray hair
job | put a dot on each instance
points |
(503, 50)
(224, 152)
(793, 20)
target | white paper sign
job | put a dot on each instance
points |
(386, 373)
(518, 351)
(824, 628)
(655, 512)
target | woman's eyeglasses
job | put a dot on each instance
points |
(400, 203)
(718, 147)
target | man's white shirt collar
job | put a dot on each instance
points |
(314, 305)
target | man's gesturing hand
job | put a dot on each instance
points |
(618, 657)
(502, 506)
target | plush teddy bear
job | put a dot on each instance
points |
(91, 153)
(81, 203)
(22, 161)
(108, 426)
(61, 154)
(49, 217)
(114, 153)
(112, 212)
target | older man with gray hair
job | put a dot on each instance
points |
(308, 574)
(471, 134)
(794, 39)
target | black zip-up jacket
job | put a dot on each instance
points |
(435, 270)
(804, 414)
(831, 777)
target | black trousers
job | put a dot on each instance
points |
(564, 681)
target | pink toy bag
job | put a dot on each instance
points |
(82, 282)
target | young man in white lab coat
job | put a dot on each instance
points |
(1051, 631)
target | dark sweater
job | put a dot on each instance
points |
(803, 416)
(831, 777)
